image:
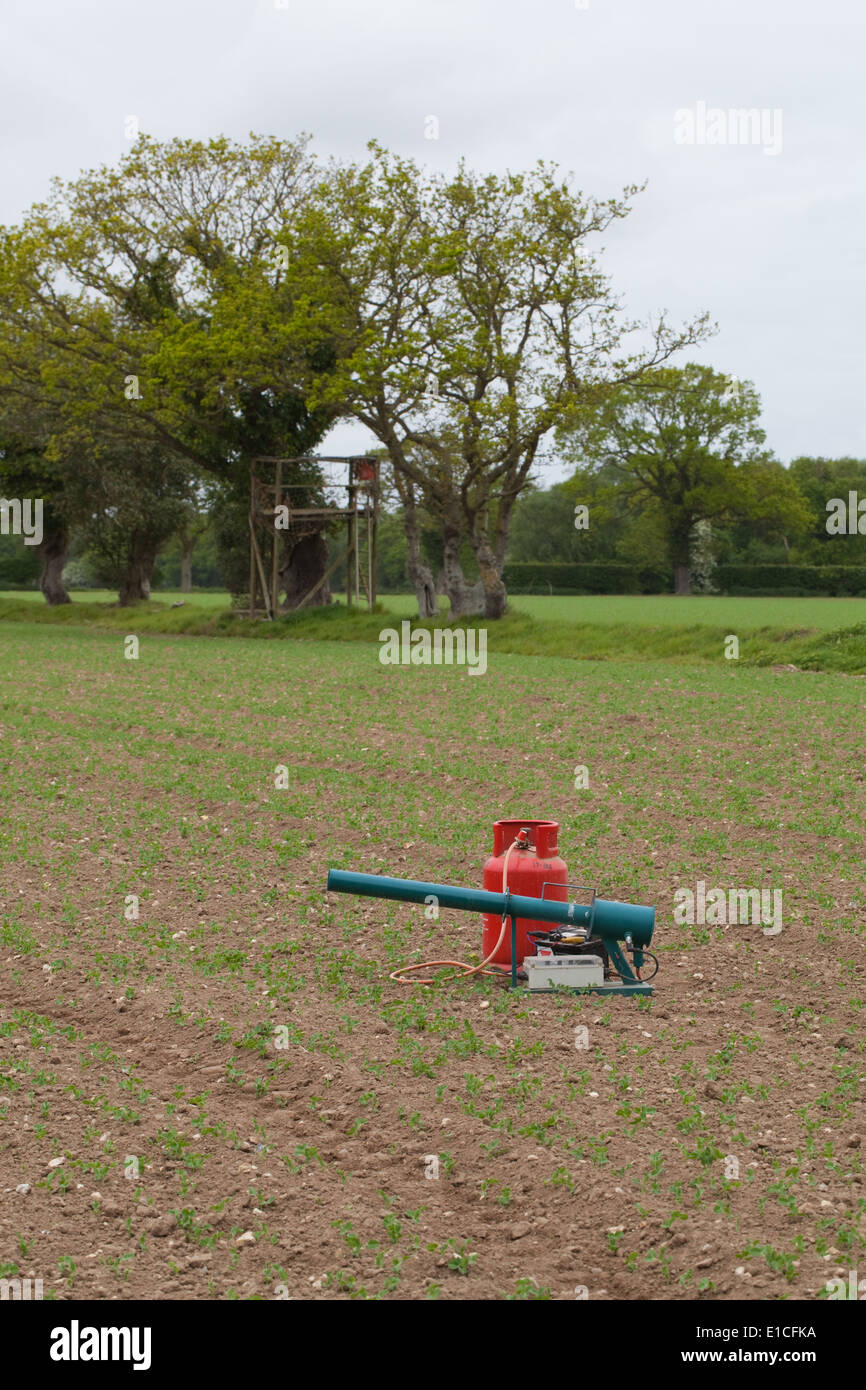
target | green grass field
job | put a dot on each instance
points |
(826, 634)
(183, 1004)
(735, 614)
(206, 598)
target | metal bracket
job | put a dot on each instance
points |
(583, 887)
(507, 913)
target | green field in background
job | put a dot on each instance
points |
(667, 610)
(654, 610)
(207, 598)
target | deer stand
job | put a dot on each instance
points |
(304, 572)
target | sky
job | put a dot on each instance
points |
(759, 221)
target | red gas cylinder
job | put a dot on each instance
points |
(530, 867)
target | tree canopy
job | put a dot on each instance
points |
(685, 444)
(467, 319)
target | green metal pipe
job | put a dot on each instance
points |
(603, 917)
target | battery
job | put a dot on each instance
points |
(572, 972)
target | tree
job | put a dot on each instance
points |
(140, 495)
(467, 322)
(200, 565)
(195, 522)
(687, 441)
(123, 497)
(25, 471)
(824, 482)
(579, 520)
(142, 305)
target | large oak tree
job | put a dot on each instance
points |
(468, 320)
(686, 444)
(124, 302)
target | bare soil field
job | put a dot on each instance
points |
(210, 1088)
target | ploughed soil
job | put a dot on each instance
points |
(210, 1087)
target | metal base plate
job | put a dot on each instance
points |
(603, 989)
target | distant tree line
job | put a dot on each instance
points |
(757, 552)
(793, 535)
(619, 550)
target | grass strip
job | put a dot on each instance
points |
(810, 649)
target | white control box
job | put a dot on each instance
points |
(573, 972)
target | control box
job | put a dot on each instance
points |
(544, 972)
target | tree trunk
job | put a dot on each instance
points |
(135, 582)
(465, 599)
(306, 563)
(420, 574)
(494, 591)
(682, 579)
(53, 552)
(186, 568)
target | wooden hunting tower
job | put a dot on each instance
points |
(349, 487)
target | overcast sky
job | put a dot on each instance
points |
(766, 233)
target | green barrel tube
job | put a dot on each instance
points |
(603, 917)
(623, 919)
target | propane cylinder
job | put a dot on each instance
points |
(530, 867)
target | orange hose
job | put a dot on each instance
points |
(465, 969)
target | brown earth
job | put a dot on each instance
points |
(263, 1170)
